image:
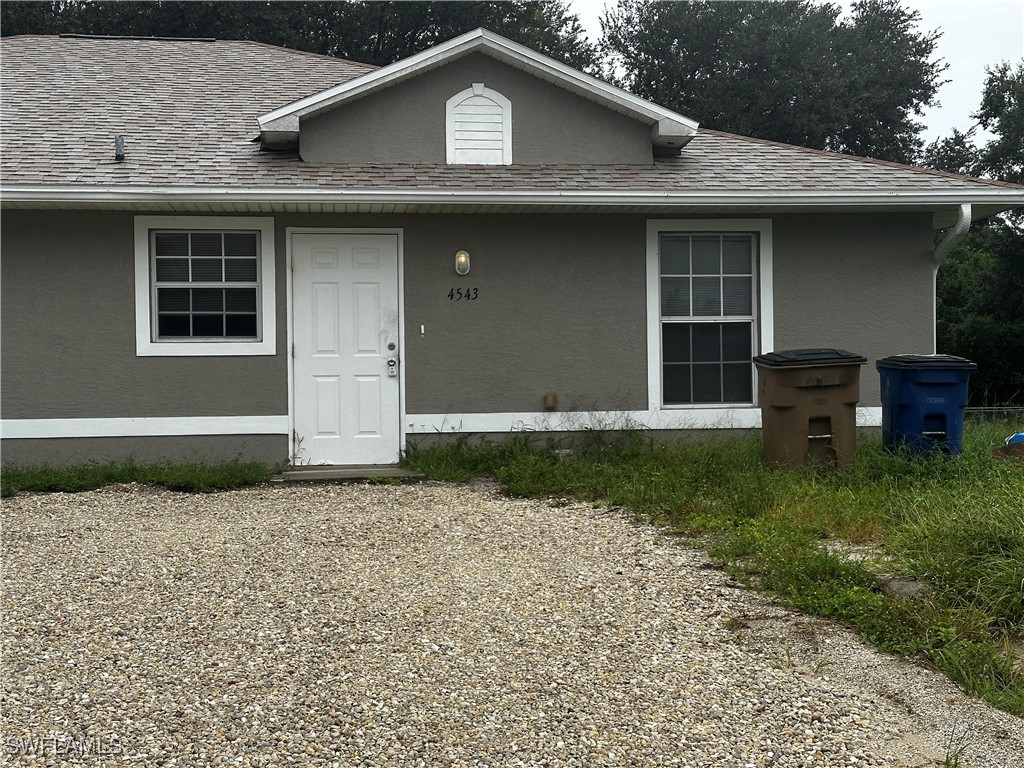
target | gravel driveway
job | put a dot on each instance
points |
(427, 625)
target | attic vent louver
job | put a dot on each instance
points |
(478, 124)
(119, 148)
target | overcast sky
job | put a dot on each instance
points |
(975, 34)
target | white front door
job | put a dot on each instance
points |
(345, 331)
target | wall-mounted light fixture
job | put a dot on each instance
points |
(462, 263)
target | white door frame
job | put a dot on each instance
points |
(399, 233)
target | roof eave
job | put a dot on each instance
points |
(987, 201)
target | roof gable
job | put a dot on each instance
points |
(670, 131)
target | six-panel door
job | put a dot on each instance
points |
(345, 331)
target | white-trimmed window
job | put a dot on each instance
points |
(709, 286)
(204, 285)
(478, 127)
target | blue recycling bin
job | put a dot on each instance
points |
(923, 401)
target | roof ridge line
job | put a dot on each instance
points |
(81, 36)
(862, 158)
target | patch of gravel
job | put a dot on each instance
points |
(428, 625)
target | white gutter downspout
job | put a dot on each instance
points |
(952, 240)
(949, 242)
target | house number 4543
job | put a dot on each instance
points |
(463, 294)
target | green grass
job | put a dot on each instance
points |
(192, 476)
(956, 525)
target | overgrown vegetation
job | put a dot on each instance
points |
(195, 476)
(956, 526)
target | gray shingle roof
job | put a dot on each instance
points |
(188, 109)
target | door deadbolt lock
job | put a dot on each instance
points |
(392, 366)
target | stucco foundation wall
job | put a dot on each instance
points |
(68, 333)
(561, 306)
(406, 123)
(272, 449)
(860, 282)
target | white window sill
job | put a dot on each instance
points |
(146, 348)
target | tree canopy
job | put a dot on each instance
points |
(370, 32)
(785, 71)
(1001, 113)
(980, 286)
(980, 311)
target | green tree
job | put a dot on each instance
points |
(980, 286)
(980, 311)
(786, 71)
(371, 32)
(1002, 113)
(957, 153)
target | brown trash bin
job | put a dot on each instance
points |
(808, 401)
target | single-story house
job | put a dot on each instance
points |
(217, 248)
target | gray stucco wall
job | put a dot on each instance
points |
(68, 334)
(860, 282)
(563, 302)
(561, 306)
(272, 449)
(406, 123)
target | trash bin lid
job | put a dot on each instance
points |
(928, 361)
(815, 356)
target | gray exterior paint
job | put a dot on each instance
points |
(406, 123)
(69, 332)
(856, 282)
(561, 306)
(560, 298)
(272, 449)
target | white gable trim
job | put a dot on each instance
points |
(664, 122)
(467, 147)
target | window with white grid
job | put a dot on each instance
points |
(204, 286)
(707, 283)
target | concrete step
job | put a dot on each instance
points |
(354, 473)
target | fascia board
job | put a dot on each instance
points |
(1009, 198)
(503, 48)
